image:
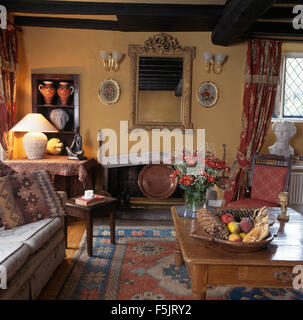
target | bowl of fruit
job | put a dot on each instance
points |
(235, 229)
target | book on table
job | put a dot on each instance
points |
(88, 202)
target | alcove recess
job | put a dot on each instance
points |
(72, 107)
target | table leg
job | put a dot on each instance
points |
(198, 281)
(89, 234)
(178, 255)
(65, 222)
(112, 226)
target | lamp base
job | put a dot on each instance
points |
(34, 144)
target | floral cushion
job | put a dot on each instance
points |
(268, 182)
(26, 198)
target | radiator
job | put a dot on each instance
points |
(296, 188)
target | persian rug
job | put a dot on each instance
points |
(141, 267)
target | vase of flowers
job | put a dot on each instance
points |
(195, 174)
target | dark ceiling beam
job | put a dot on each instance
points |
(290, 2)
(107, 8)
(237, 18)
(67, 23)
(274, 29)
(165, 24)
(279, 13)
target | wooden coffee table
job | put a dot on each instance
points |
(269, 268)
(88, 213)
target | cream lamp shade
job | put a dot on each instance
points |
(34, 142)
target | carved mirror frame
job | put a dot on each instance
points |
(161, 45)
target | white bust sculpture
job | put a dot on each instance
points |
(283, 131)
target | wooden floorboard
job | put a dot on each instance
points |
(75, 233)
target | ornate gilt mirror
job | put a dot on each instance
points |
(161, 77)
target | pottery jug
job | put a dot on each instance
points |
(64, 92)
(48, 91)
(59, 118)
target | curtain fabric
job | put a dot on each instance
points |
(8, 64)
(262, 74)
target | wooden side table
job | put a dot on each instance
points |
(88, 213)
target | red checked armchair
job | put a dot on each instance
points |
(270, 175)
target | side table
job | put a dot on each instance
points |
(69, 175)
(88, 213)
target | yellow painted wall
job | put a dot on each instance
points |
(47, 50)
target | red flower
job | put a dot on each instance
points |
(212, 163)
(187, 180)
(175, 173)
(219, 165)
(211, 179)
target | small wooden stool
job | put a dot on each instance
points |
(87, 213)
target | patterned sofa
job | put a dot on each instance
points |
(30, 254)
(31, 250)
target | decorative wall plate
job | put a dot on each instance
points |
(207, 94)
(109, 91)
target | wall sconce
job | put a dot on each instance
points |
(216, 62)
(111, 59)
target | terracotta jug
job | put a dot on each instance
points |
(64, 92)
(48, 91)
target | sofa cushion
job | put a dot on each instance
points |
(34, 235)
(26, 198)
(5, 170)
(13, 256)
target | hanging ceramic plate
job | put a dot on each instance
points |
(109, 91)
(207, 94)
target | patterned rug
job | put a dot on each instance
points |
(141, 267)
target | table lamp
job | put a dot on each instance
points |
(34, 142)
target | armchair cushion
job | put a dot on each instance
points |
(268, 182)
(27, 198)
(251, 203)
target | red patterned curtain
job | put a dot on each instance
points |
(8, 64)
(261, 80)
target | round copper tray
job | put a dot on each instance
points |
(155, 181)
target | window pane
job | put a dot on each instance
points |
(293, 88)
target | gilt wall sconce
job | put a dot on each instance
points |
(111, 60)
(216, 61)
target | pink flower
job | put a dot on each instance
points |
(191, 161)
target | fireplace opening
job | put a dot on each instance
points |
(123, 185)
